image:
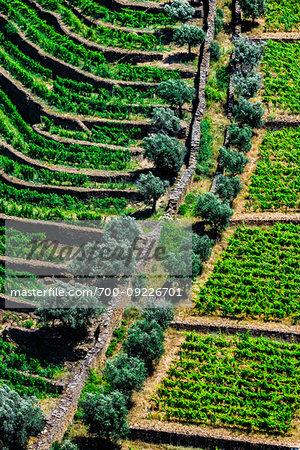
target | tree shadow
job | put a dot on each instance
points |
(95, 443)
(249, 25)
(181, 57)
(142, 215)
(53, 345)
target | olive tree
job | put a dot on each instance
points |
(161, 312)
(240, 137)
(190, 35)
(125, 374)
(247, 54)
(105, 414)
(145, 341)
(249, 112)
(253, 8)
(247, 83)
(227, 188)
(165, 152)
(165, 120)
(176, 92)
(213, 211)
(151, 188)
(20, 418)
(233, 162)
(202, 246)
(179, 11)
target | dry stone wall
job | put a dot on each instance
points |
(184, 184)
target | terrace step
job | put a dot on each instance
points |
(98, 176)
(134, 151)
(66, 70)
(165, 32)
(112, 54)
(80, 192)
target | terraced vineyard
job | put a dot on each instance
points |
(282, 15)
(122, 108)
(281, 82)
(92, 121)
(276, 183)
(85, 91)
(26, 375)
(257, 276)
(224, 381)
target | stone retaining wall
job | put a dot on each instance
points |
(42, 268)
(54, 230)
(184, 184)
(99, 176)
(63, 69)
(188, 439)
(79, 192)
(265, 218)
(63, 415)
(111, 54)
(289, 336)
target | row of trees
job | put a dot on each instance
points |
(105, 412)
(162, 147)
(191, 35)
(215, 208)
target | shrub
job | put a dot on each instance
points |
(234, 162)
(202, 246)
(165, 152)
(249, 112)
(179, 11)
(247, 83)
(218, 21)
(183, 209)
(213, 211)
(164, 119)
(253, 8)
(176, 92)
(161, 312)
(227, 187)
(190, 35)
(247, 54)
(215, 50)
(125, 374)
(105, 414)
(240, 137)
(190, 198)
(20, 418)
(145, 341)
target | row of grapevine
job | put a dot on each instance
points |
(257, 277)
(245, 383)
(275, 184)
